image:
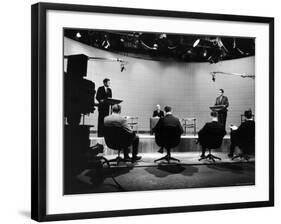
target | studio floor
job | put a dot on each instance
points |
(146, 175)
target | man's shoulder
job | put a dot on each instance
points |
(214, 124)
(108, 118)
(218, 124)
(219, 97)
(177, 118)
(100, 88)
(248, 123)
(171, 117)
(208, 124)
(115, 116)
(114, 119)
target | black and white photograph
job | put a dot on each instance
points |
(142, 111)
(148, 111)
(136, 111)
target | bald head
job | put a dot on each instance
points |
(116, 108)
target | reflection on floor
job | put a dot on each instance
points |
(146, 175)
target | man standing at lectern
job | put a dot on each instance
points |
(222, 100)
(103, 93)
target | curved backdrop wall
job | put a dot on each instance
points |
(187, 87)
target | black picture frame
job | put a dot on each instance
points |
(39, 109)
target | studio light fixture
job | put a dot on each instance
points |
(122, 67)
(189, 51)
(105, 44)
(205, 53)
(196, 42)
(78, 35)
(235, 47)
(155, 46)
(162, 36)
(203, 42)
(213, 59)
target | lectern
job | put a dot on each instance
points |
(217, 108)
(111, 101)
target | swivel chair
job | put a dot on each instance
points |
(210, 140)
(168, 138)
(241, 156)
(247, 147)
(116, 138)
(245, 140)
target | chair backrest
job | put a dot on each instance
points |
(246, 135)
(117, 138)
(168, 137)
(211, 139)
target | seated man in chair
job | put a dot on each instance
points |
(211, 135)
(115, 120)
(244, 136)
(167, 133)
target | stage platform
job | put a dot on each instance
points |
(147, 144)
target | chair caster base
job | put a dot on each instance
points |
(119, 159)
(241, 156)
(168, 158)
(210, 157)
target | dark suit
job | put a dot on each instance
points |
(211, 135)
(115, 120)
(103, 108)
(158, 114)
(243, 137)
(222, 114)
(169, 121)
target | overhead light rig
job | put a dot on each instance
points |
(166, 46)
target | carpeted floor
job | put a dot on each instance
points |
(147, 175)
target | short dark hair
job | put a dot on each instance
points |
(167, 109)
(106, 80)
(214, 114)
(248, 114)
(116, 108)
(222, 90)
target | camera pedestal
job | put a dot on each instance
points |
(76, 144)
